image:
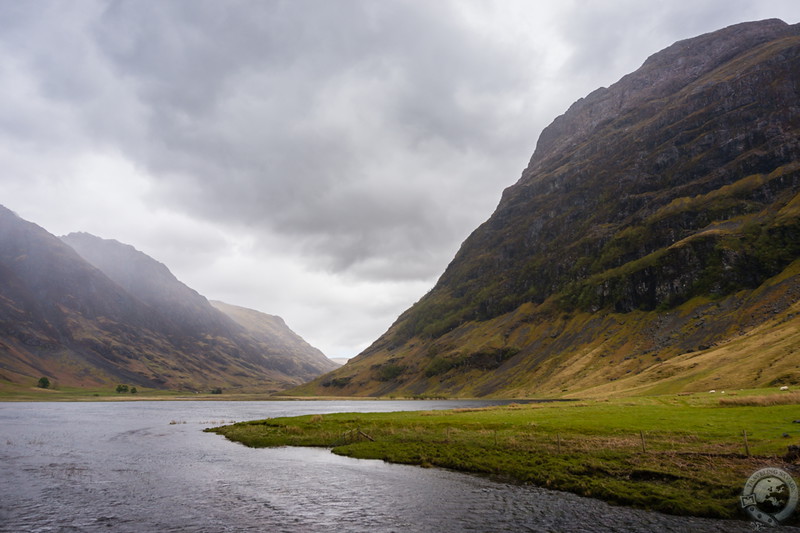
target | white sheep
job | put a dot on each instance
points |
(784, 388)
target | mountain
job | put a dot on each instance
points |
(125, 319)
(258, 334)
(151, 282)
(651, 245)
(272, 331)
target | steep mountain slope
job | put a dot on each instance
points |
(272, 331)
(265, 339)
(63, 318)
(654, 233)
(53, 305)
(151, 282)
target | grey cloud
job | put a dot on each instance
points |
(271, 114)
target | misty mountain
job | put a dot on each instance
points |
(651, 244)
(272, 331)
(151, 282)
(103, 313)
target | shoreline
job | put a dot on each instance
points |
(677, 455)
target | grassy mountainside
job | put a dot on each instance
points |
(272, 332)
(651, 243)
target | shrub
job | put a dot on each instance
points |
(440, 365)
(337, 382)
(390, 372)
(44, 383)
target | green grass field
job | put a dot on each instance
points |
(77, 394)
(675, 454)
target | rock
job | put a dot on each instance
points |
(793, 454)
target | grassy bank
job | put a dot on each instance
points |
(104, 394)
(676, 454)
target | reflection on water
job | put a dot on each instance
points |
(147, 466)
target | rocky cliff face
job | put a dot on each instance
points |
(676, 186)
(125, 319)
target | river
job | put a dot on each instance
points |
(148, 467)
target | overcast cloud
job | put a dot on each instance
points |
(321, 160)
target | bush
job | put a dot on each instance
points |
(440, 365)
(122, 388)
(337, 382)
(390, 372)
(44, 383)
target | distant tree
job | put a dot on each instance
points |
(133, 390)
(44, 383)
(216, 391)
(122, 388)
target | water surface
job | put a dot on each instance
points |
(148, 466)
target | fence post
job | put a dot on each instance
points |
(558, 436)
(746, 446)
(641, 434)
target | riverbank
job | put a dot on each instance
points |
(684, 455)
(78, 394)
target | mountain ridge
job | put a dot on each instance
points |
(126, 319)
(671, 194)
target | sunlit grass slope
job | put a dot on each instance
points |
(749, 339)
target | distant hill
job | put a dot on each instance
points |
(272, 331)
(108, 314)
(651, 245)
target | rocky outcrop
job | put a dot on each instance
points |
(664, 74)
(702, 135)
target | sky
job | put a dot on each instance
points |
(320, 160)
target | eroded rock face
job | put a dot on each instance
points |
(605, 184)
(663, 74)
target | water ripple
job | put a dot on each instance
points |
(126, 468)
